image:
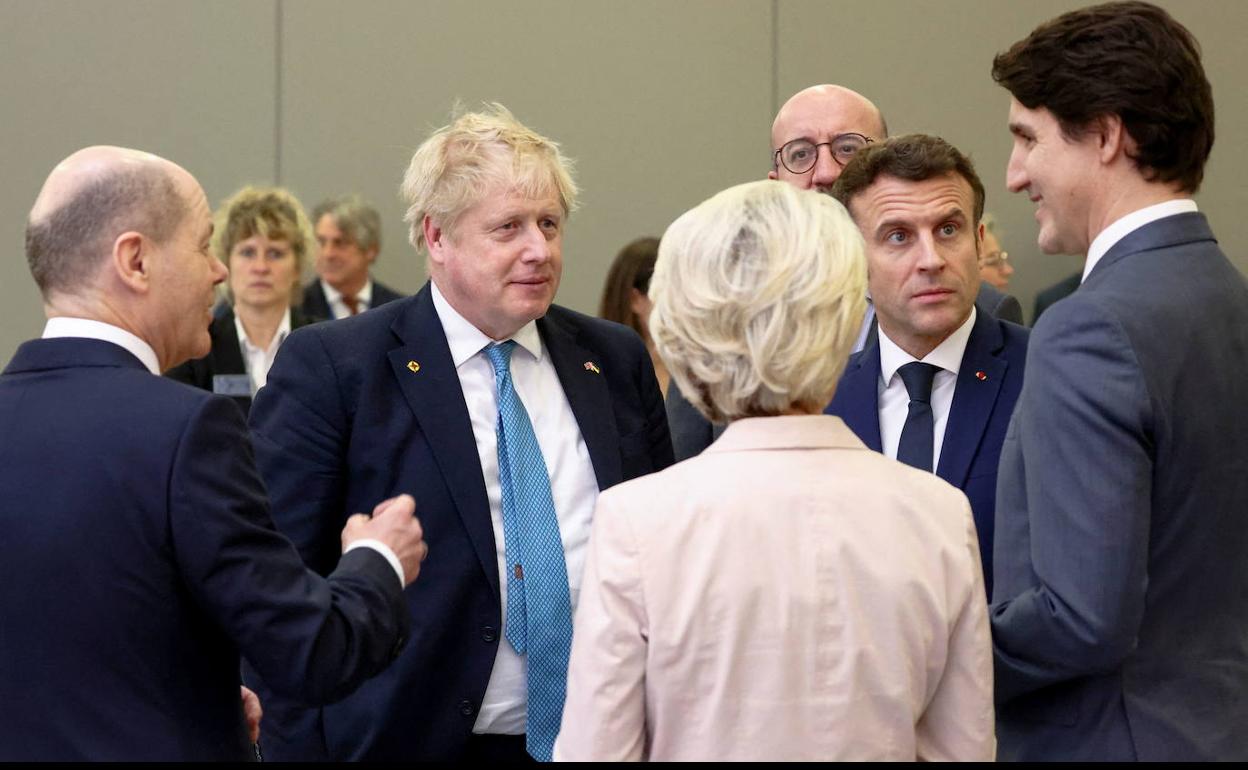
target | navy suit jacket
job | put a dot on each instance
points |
(978, 416)
(1120, 618)
(372, 403)
(139, 559)
(226, 355)
(316, 305)
(1053, 294)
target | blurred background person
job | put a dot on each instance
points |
(263, 237)
(626, 296)
(348, 237)
(994, 262)
(788, 594)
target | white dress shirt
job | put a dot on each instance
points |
(1124, 226)
(339, 309)
(259, 360)
(894, 400)
(573, 484)
(98, 330)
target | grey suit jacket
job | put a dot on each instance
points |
(1120, 618)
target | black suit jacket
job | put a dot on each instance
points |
(372, 403)
(1058, 291)
(226, 355)
(316, 304)
(140, 559)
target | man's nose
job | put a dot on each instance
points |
(826, 169)
(1015, 177)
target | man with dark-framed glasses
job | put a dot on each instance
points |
(817, 131)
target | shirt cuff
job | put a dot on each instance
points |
(385, 551)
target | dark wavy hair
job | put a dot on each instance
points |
(631, 269)
(1129, 59)
(912, 157)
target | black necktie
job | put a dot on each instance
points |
(915, 447)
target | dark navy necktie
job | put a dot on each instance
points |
(917, 437)
(539, 605)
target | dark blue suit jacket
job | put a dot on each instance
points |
(139, 559)
(977, 421)
(374, 403)
(316, 305)
(1120, 617)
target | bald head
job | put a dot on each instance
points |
(90, 199)
(820, 114)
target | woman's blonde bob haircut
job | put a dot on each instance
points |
(759, 293)
(271, 212)
(463, 162)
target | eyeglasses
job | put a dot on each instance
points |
(996, 260)
(799, 155)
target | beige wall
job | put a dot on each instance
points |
(662, 103)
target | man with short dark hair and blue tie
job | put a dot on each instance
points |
(503, 414)
(936, 389)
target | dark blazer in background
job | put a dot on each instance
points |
(1120, 619)
(226, 355)
(691, 432)
(316, 305)
(372, 403)
(978, 416)
(1060, 290)
(999, 304)
(139, 559)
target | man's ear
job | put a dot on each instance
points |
(435, 239)
(371, 255)
(132, 261)
(1112, 137)
(772, 174)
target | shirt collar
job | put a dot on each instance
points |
(62, 326)
(466, 340)
(364, 295)
(947, 355)
(1128, 224)
(283, 329)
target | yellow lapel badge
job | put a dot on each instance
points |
(590, 366)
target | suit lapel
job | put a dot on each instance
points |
(588, 395)
(227, 348)
(973, 399)
(857, 396)
(426, 375)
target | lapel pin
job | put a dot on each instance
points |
(980, 376)
(413, 366)
(590, 366)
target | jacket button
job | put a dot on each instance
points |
(488, 634)
(466, 708)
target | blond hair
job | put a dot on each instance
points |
(460, 162)
(270, 212)
(759, 293)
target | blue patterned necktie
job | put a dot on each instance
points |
(917, 443)
(539, 607)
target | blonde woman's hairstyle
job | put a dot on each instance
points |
(759, 293)
(463, 161)
(272, 212)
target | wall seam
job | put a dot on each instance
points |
(277, 96)
(775, 56)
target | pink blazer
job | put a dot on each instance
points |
(787, 595)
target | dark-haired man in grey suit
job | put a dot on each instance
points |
(1119, 621)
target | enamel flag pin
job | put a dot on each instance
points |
(413, 366)
(590, 366)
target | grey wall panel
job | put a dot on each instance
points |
(191, 81)
(927, 65)
(661, 104)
